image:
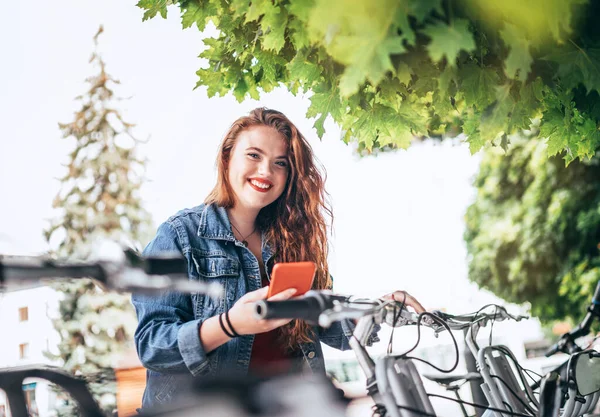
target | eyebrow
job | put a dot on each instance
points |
(260, 151)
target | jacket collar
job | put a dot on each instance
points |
(215, 224)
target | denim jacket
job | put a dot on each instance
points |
(167, 337)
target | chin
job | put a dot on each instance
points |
(258, 204)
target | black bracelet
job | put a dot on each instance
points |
(236, 334)
(223, 327)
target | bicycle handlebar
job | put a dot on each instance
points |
(307, 308)
(566, 343)
(127, 272)
(324, 308)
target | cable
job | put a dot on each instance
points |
(443, 324)
(485, 407)
(474, 320)
(508, 353)
(395, 321)
(515, 394)
(492, 325)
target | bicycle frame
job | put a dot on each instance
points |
(392, 382)
(493, 364)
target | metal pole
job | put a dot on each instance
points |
(478, 396)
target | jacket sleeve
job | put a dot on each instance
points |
(167, 338)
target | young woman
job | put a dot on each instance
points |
(268, 206)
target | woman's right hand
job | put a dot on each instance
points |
(243, 318)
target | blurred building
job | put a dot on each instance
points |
(27, 333)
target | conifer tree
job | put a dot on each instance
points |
(99, 199)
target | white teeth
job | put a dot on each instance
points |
(260, 184)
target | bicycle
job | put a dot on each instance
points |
(124, 271)
(392, 381)
(395, 385)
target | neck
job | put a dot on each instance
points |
(243, 219)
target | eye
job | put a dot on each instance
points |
(281, 164)
(253, 155)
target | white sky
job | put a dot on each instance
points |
(398, 217)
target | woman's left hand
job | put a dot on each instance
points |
(406, 298)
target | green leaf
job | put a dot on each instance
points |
(479, 85)
(447, 77)
(300, 68)
(324, 101)
(299, 34)
(301, 9)
(404, 73)
(368, 61)
(518, 62)
(358, 34)
(402, 24)
(194, 12)
(448, 40)
(578, 65)
(273, 25)
(239, 7)
(422, 9)
(471, 130)
(153, 7)
(496, 118)
(556, 131)
(257, 9)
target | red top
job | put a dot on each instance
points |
(269, 356)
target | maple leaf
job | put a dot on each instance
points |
(273, 25)
(302, 69)
(471, 130)
(421, 9)
(153, 7)
(448, 40)
(194, 12)
(404, 73)
(360, 35)
(578, 65)
(324, 101)
(518, 62)
(496, 117)
(479, 85)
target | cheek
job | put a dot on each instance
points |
(283, 182)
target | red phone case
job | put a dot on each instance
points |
(299, 275)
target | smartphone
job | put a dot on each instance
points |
(298, 275)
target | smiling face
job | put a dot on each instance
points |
(258, 167)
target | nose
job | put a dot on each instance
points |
(265, 169)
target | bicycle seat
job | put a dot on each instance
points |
(448, 379)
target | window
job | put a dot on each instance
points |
(29, 392)
(23, 350)
(23, 314)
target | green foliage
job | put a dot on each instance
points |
(99, 199)
(422, 68)
(533, 232)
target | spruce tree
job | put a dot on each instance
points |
(99, 199)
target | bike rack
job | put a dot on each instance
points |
(11, 381)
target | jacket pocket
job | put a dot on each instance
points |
(215, 266)
(166, 388)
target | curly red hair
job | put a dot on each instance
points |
(295, 224)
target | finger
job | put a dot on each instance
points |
(259, 294)
(412, 302)
(284, 295)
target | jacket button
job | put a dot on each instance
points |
(311, 355)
